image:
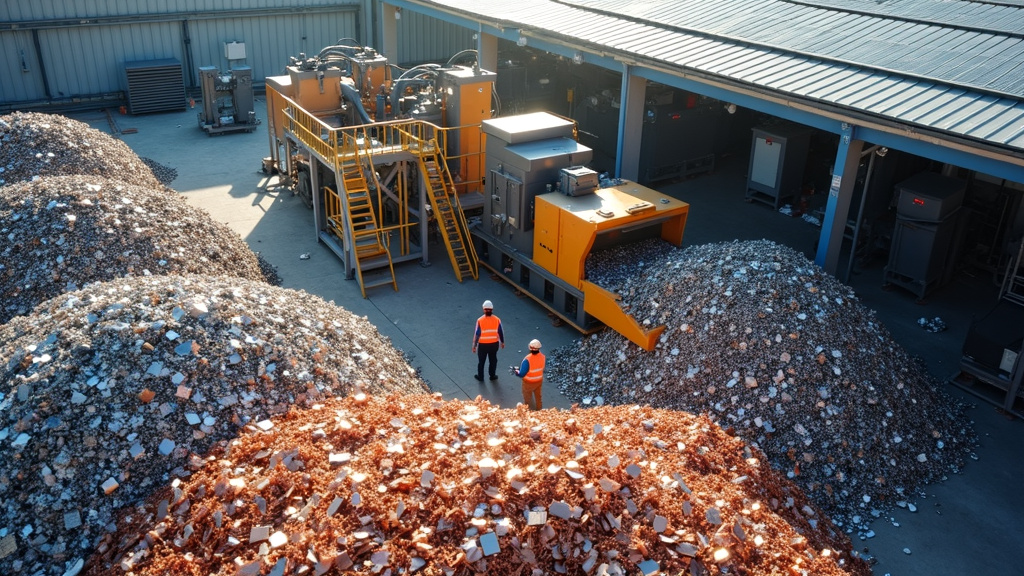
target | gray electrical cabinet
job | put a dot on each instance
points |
(778, 154)
(227, 100)
(925, 237)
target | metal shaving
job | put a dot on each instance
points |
(34, 145)
(62, 232)
(111, 390)
(784, 355)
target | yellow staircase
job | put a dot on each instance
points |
(451, 222)
(368, 240)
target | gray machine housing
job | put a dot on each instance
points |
(529, 155)
(525, 157)
(925, 241)
(227, 100)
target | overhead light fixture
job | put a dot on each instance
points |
(578, 57)
(521, 41)
(730, 108)
(398, 12)
(882, 151)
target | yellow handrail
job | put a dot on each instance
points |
(337, 146)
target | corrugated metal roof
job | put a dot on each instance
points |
(950, 66)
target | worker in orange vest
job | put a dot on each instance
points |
(532, 373)
(486, 339)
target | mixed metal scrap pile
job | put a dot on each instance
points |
(35, 145)
(111, 390)
(62, 232)
(784, 355)
(417, 485)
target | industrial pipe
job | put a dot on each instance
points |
(352, 95)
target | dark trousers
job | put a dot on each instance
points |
(487, 352)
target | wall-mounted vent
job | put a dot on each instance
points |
(155, 86)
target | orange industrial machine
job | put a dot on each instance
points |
(544, 214)
(382, 158)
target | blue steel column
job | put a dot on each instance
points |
(631, 124)
(840, 193)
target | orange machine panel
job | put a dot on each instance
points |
(611, 213)
(545, 234)
(277, 86)
(314, 94)
(476, 107)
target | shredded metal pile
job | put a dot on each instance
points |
(62, 232)
(415, 484)
(775, 349)
(165, 174)
(109, 390)
(33, 145)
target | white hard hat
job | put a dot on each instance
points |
(534, 344)
(488, 305)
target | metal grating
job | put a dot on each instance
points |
(155, 86)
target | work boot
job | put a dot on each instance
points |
(478, 377)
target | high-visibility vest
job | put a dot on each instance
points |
(536, 373)
(488, 329)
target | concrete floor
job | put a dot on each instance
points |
(969, 524)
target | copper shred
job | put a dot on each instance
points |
(428, 495)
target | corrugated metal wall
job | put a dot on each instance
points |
(90, 59)
(17, 82)
(55, 9)
(77, 50)
(422, 38)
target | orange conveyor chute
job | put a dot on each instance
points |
(566, 229)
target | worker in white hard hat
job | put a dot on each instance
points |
(487, 337)
(532, 373)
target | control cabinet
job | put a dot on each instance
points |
(925, 241)
(778, 154)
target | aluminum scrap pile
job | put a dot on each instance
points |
(416, 484)
(63, 232)
(782, 353)
(109, 390)
(34, 144)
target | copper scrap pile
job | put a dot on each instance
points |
(62, 232)
(34, 145)
(772, 347)
(416, 484)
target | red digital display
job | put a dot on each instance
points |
(918, 202)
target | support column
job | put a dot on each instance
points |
(840, 193)
(631, 124)
(389, 17)
(487, 50)
(319, 220)
(424, 221)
